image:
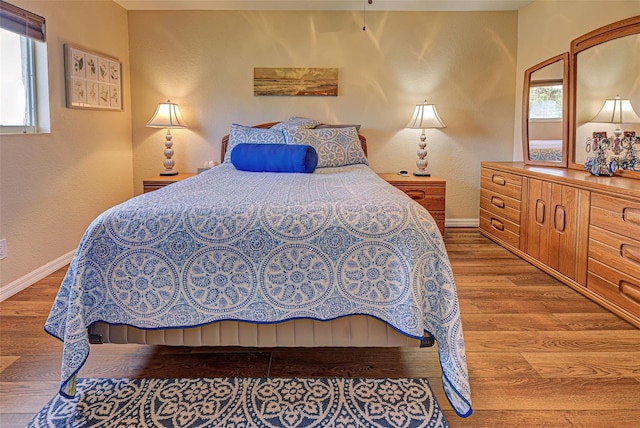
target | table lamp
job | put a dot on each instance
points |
(168, 116)
(616, 111)
(424, 116)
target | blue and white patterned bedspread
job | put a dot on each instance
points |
(264, 247)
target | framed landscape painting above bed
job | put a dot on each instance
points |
(295, 81)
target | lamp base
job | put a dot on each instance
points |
(422, 174)
(169, 173)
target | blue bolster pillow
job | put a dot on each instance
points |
(274, 157)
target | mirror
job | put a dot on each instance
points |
(605, 64)
(544, 112)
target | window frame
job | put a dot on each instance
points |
(30, 28)
(544, 84)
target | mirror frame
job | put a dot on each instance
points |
(564, 57)
(615, 30)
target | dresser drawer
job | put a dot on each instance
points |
(615, 214)
(502, 182)
(503, 206)
(431, 197)
(500, 228)
(620, 252)
(150, 188)
(429, 192)
(159, 181)
(615, 286)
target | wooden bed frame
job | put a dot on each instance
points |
(351, 331)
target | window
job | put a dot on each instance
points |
(545, 100)
(20, 30)
(16, 82)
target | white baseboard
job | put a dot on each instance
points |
(462, 222)
(35, 276)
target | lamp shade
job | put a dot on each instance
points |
(617, 111)
(167, 115)
(425, 116)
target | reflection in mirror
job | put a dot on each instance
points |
(605, 65)
(544, 126)
(605, 71)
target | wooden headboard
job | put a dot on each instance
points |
(225, 140)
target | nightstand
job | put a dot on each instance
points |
(159, 181)
(430, 192)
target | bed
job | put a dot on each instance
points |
(545, 150)
(337, 257)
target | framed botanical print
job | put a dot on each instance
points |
(93, 80)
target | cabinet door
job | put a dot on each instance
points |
(569, 230)
(556, 232)
(536, 219)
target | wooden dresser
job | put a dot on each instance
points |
(581, 229)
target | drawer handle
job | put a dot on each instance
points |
(559, 220)
(630, 252)
(540, 211)
(632, 215)
(498, 202)
(498, 180)
(416, 195)
(497, 224)
(629, 290)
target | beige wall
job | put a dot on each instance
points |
(464, 62)
(546, 29)
(52, 185)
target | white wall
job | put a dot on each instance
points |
(464, 62)
(52, 185)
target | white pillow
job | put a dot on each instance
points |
(335, 146)
(246, 134)
(338, 126)
(295, 122)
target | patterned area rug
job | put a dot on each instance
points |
(244, 402)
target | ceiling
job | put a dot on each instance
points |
(377, 5)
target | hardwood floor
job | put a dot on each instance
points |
(539, 354)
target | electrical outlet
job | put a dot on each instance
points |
(3, 248)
